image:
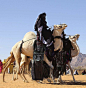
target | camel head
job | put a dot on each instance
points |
(58, 29)
(76, 50)
(74, 38)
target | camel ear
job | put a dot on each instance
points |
(78, 35)
(54, 26)
(69, 37)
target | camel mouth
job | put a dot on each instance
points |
(63, 25)
(76, 37)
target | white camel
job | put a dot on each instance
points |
(27, 48)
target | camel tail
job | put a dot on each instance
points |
(7, 60)
(9, 57)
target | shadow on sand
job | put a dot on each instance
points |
(67, 82)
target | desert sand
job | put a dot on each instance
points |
(67, 82)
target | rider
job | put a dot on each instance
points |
(41, 26)
(42, 41)
(63, 38)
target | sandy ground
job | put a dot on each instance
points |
(67, 82)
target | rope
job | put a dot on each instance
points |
(28, 40)
(23, 42)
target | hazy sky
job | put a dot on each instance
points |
(17, 17)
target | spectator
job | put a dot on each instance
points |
(1, 66)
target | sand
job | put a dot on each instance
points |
(67, 82)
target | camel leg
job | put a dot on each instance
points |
(17, 56)
(27, 63)
(23, 64)
(13, 74)
(71, 71)
(22, 77)
(48, 62)
(59, 79)
(15, 71)
(21, 68)
(16, 75)
(22, 72)
(25, 80)
(51, 75)
(53, 78)
(7, 65)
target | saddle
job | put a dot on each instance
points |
(59, 63)
(67, 48)
(67, 44)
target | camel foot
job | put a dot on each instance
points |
(54, 81)
(13, 79)
(75, 82)
(25, 81)
(39, 81)
(58, 82)
(3, 81)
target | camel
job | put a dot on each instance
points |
(27, 48)
(74, 52)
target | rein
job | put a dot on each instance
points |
(28, 40)
(59, 37)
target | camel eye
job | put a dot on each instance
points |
(74, 37)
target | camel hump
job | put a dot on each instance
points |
(29, 35)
